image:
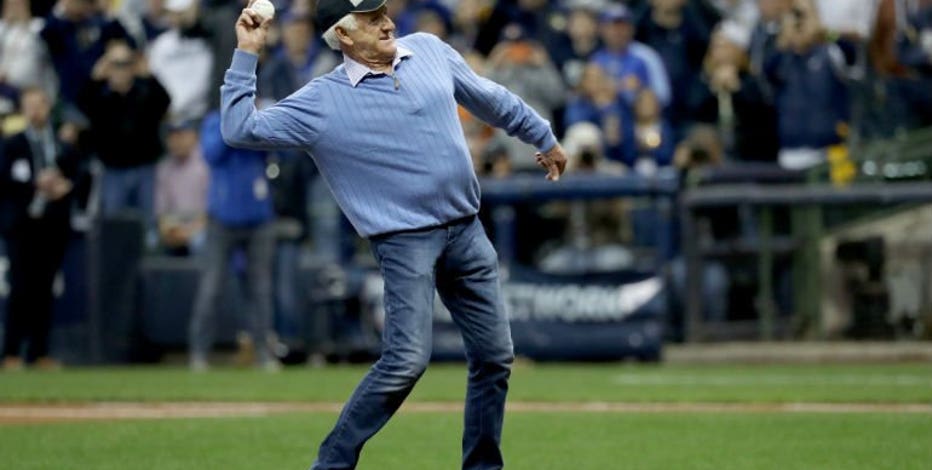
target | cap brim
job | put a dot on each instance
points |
(368, 5)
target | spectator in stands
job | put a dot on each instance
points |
(654, 139)
(468, 17)
(125, 107)
(598, 102)
(582, 31)
(181, 192)
(420, 13)
(182, 61)
(239, 207)
(537, 17)
(301, 57)
(733, 100)
(677, 33)
(765, 33)
(703, 149)
(37, 175)
(811, 97)
(77, 34)
(145, 20)
(522, 65)
(628, 70)
(741, 12)
(633, 65)
(24, 59)
(433, 19)
(585, 151)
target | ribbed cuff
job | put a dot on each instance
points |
(245, 62)
(548, 143)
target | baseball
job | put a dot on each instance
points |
(264, 8)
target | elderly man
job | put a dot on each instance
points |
(383, 130)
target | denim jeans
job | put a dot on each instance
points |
(458, 261)
(128, 188)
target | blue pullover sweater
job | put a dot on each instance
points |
(391, 149)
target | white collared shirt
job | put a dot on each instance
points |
(356, 71)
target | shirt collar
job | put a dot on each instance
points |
(356, 71)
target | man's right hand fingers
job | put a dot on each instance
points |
(250, 19)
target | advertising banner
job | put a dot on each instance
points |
(589, 317)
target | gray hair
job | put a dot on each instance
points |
(348, 23)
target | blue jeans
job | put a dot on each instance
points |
(459, 261)
(128, 188)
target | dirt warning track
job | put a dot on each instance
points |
(113, 411)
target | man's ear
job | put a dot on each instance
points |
(343, 36)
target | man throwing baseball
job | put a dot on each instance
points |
(384, 132)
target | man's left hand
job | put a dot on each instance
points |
(554, 161)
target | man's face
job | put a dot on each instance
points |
(36, 108)
(122, 68)
(616, 34)
(181, 143)
(374, 39)
(668, 5)
(582, 24)
(297, 35)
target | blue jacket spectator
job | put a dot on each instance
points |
(77, 34)
(238, 193)
(598, 102)
(810, 93)
(810, 96)
(618, 58)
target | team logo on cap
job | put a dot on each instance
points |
(355, 3)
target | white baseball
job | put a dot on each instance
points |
(263, 8)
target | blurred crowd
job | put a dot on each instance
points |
(109, 107)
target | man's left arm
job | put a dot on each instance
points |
(501, 108)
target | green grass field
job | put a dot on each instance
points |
(533, 440)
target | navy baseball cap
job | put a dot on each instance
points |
(329, 12)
